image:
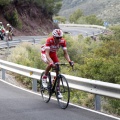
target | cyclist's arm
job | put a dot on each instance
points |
(66, 55)
(47, 51)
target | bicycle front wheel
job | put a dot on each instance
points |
(65, 91)
(46, 92)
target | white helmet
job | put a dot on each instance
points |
(8, 24)
(57, 33)
(0, 22)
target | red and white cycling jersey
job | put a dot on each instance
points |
(50, 44)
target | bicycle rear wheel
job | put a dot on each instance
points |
(46, 92)
(65, 91)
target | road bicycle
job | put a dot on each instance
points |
(60, 83)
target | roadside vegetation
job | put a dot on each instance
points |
(78, 17)
(97, 60)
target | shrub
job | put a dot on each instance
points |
(13, 18)
(4, 2)
(28, 55)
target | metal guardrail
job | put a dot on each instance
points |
(16, 42)
(82, 25)
(88, 26)
(92, 86)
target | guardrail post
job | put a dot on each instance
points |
(3, 73)
(8, 44)
(33, 40)
(34, 85)
(20, 40)
(97, 102)
(8, 47)
(86, 34)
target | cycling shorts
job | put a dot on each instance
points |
(53, 56)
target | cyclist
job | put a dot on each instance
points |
(9, 32)
(2, 28)
(49, 55)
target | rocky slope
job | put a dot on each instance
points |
(33, 20)
(108, 10)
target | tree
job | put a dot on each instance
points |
(93, 20)
(4, 2)
(116, 31)
(50, 6)
(60, 19)
(75, 16)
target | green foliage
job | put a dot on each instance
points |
(60, 19)
(79, 97)
(4, 2)
(116, 31)
(13, 18)
(75, 16)
(93, 20)
(49, 6)
(115, 106)
(79, 18)
(28, 55)
(57, 7)
(112, 106)
(108, 49)
(114, 34)
(101, 69)
(106, 37)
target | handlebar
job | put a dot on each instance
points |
(58, 68)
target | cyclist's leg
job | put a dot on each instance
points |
(44, 59)
(58, 93)
(44, 77)
(10, 36)
(6, 34)
(46, 92)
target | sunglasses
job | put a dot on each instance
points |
(58, 37)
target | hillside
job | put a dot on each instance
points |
(31, 19)
(108, 10)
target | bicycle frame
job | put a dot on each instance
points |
(57, 80)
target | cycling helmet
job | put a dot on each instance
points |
(8, 24)
(57, 33)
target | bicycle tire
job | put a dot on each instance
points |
(46, 92)
(65, 91)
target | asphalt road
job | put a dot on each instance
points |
(17, 104)
(85, 31)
